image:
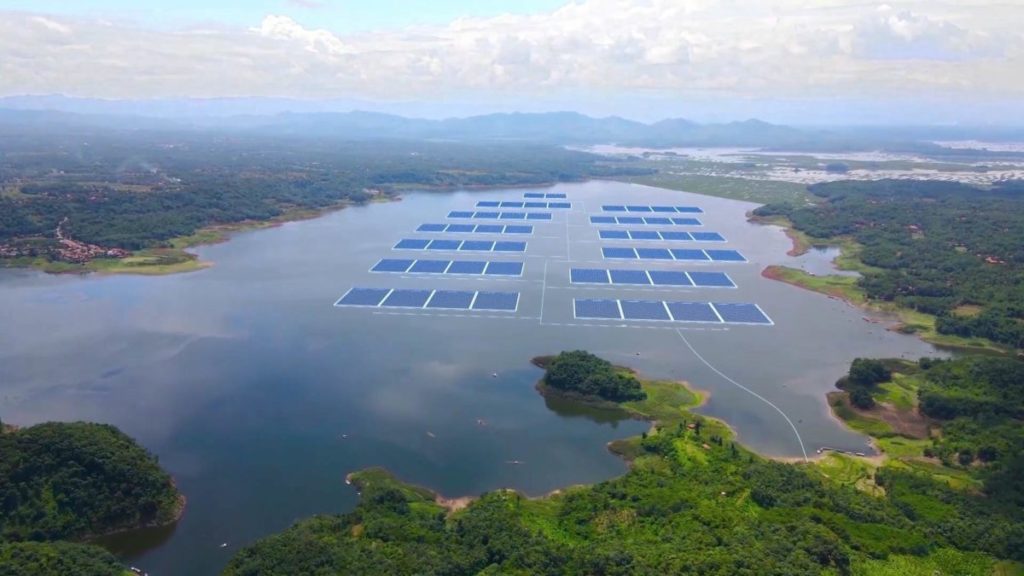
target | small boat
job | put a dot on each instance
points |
(494, 374)
(431, 434)
(224, 545)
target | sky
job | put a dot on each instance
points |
(793, 61)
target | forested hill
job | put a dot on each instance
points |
(947, 249)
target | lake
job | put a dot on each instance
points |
(259, 396)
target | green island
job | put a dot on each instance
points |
(694, 501)
(943, 257)
(63, 484)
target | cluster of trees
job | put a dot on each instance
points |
(71, 481)
(580, 372)
(864, 375)
(937, 246)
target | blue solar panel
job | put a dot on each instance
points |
(613, 208)
(489, 229)
(588, 276)
(460, 214)
(741, 313)
(533, 195)
(463, 228)
(711, 279)
(504, 269)
(555, 195)
(708, 237)
(511, 229)
(643, 310)
(444, 245)
(602, 219)
(363, 297)
(618, 252)
(508, 246)
(669, 278)
(658, 220)
(606, 309)
(688, 210)
(638, 208)
(502, 301)
(412, 244)
(430, 266)
(630, 220)
(507, 204)
(663, 208)
(477, 246)
(451, 299)
(407, 298)
(559, 205)
(539, 216)
(692, 312)
(431, 228)
(676, 236)
(629, 277)
(613, 234)
(686, 222)
(688, 254)
(513, 215)
(644, 235)
(391, 265)
(467, 267)
(487, 215)
(488, 204)
(726, 256)
(653, 254)
(535, 205)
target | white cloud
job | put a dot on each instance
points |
(733, 48)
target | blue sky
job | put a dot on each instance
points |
(340, 16)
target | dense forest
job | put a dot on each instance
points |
(138, 189)
(584, 374)
(943, 248)
(71, 481)
(694, 502)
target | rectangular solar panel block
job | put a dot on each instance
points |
(504, 269)
(556, 195)
(613, 208)
(629, 220)
(559, 205)
(431, 227)
(539, 216)
(477, 246)
(711, 280)
(686, 222)
(363, 297)
(488, 204)
(513, 215)
(507, 204)
(619, 253)
(407, 298)
(629, 277)
(725, 256)
(602, 219)
(644, 235)
(676, 236)
(533, 195)
(489, 229)
(658, 220)
(653, 254)
(708, 237)
(509, 246)
(462, 228)
(535, 205)
(741, 313)
(613, 234)
(635, 208)
(588, 276)
(510, 229)
(644, 310)
(597, 309)
(688, 210)
(689, 254)
(430, 266)
(663, 209)
(692, 312)
(392, 265)
(669, 278)
(451, 299)
(412, 244)
(460, 214)
(474, 267)
(500, 301)
(444, 245)
(486, 215)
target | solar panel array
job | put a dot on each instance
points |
(465, 214)
(666, 311)
(527, 204)
(477, 228)
(660, 209)
(446, 245)
(450, 267)
(667, 235)
(430, 299)
(646, 220)
(555, 195)
(678, 254)
(678, 278)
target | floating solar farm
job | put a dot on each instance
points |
(550, 221)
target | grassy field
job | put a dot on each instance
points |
(759, 191)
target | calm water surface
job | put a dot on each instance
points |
(243, 378)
